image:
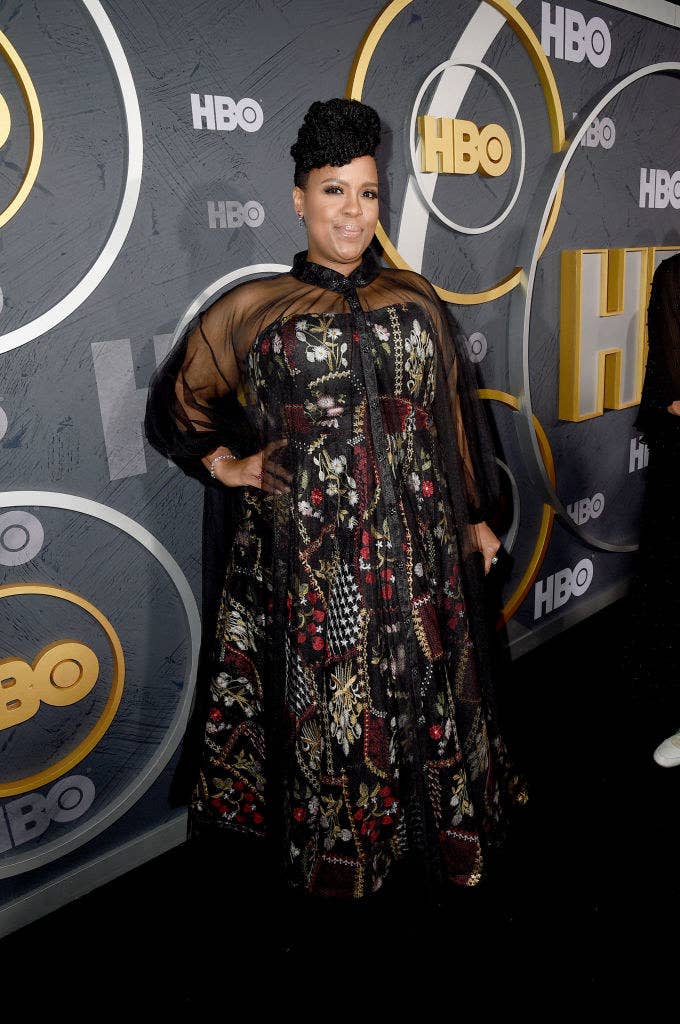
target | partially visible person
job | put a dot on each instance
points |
(656, 594)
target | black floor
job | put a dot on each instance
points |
(583, 896)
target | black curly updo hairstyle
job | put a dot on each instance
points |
(334, 132)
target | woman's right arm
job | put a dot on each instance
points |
(193, 411)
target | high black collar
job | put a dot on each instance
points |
(325, 277)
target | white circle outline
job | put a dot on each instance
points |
(128, 204)
(47, 852)
(431, 205)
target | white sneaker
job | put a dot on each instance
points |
(667, 754)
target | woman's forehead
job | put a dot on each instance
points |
(361, 169)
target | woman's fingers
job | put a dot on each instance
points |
(283, 475)
(273, 445)
(260, 471)
(489, 554)
(272, 483)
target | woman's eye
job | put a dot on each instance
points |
(371, 195)
(332, 189)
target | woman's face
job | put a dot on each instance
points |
(340, 207)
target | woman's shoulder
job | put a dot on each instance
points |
(409, 281)
(249, 294)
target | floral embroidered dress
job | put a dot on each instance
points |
(345, 702)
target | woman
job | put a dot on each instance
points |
(347, 716)
(655, 600)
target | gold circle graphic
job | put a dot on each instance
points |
(5, 121)
(547, 517)
(355, 88)
(112, 702)
(35, 149)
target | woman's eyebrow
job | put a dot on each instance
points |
(341, 181)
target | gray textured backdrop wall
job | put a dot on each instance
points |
(144, 169)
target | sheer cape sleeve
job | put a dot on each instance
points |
(197, 402)
(457, 403)
(194, 403)
(458, 414)
(216, 389)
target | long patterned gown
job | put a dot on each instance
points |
(347, 713)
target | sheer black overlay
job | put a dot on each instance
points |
(345, 709)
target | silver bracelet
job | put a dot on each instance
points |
(219, 458)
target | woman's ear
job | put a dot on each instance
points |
(298, 200)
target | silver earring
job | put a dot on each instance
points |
(301, 219)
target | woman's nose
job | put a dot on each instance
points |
(352, 204)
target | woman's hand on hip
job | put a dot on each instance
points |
(258, 470)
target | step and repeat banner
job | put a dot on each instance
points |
(529, 169)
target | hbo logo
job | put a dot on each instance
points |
(29, 816)
(221, 114)
(232, 214)
(573, 37)
(455, 146)
(587, 508)
(638, 455)
(556, 590)
(600, 133)
(659, 188)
